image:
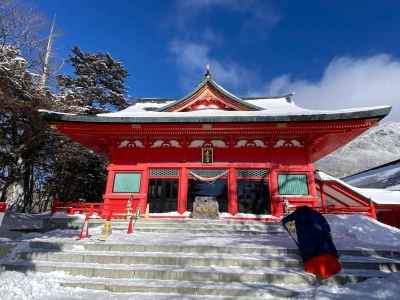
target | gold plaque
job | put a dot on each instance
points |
(207, 155)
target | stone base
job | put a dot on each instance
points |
(205, 208)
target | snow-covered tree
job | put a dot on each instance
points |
(98, 84)
(22, 132)
(38, 164)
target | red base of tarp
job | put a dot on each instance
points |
(323, 266)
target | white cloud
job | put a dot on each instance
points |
(199, 37)
(192, 59)
(347, 82)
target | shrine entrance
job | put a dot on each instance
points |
(208, 183)
(253, 196)
(217, 189)
(163, 195)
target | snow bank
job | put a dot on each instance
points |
(351, 230)
(20, 221)
(64, 215)
(17, 286)
(387, 288)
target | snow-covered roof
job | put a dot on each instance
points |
(270, 108)
(146, 105)
(255, 107)
(384, 176)
(378, 196)
(281, 113)
(251, 109)
(283, 103)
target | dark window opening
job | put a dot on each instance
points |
(163, 195)
(253, 196)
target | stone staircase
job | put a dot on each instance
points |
(227, 260)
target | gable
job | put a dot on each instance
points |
(209, 95)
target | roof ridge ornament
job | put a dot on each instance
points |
(208, 71)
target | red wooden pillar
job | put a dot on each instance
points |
(107, 202)
(312, 188)
(276, 199)
(232, 192)
(144, 187)
(183, 190)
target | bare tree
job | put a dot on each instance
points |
(22, 27)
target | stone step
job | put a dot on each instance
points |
(292, 276)
(195, 225)
(162, 272)
(370, 263)
(207, 231)
(199, 249)
(200, 226)
(185, 288)
(195, 259)
(190, 221)
(162, 258)
(169, 248)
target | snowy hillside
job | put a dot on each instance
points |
(377, 146)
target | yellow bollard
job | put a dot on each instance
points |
(147, 213)
(128, 212)
(137, 215)
(107, 230)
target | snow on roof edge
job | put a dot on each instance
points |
(378, 196)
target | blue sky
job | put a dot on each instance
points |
(333, 54)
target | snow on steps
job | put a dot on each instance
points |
(169, 272)
(193, 265)
(210, 227)
(186, 287)
(198, 280)
(195, 259)
(164, 258)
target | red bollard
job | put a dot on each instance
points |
(130, 225)
(91, 210)
(85, 229)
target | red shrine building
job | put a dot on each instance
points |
(254, 154)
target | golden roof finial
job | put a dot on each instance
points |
(208, 70)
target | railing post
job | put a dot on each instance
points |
(323, 198)
(54, 206)
(372, 210)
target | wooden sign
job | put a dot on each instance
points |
(207, 155)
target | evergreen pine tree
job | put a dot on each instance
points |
(98, 84)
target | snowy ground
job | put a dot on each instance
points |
(349, 232)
